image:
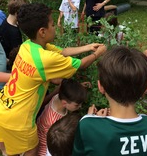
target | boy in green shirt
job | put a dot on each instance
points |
(123, 80)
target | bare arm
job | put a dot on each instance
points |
(88, 60)
(4, 77)
(59, 19)
(83, 12)
(84, 8)
(72, 6)
(98, 6)
(105, 2)
(71, 51)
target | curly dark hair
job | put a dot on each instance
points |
(31, 17)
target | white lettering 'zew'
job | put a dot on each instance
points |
(133, 141)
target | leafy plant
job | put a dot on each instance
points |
(66, 37)
(108, 36)
(109, 33)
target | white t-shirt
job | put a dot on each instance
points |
(48, 153)
(69, 15)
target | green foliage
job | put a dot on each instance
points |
(67, 39)
(51, 3)
(3, 4)
(129, 36)
(108, 36)
(141, 105)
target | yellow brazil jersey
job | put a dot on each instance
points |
(22, 96)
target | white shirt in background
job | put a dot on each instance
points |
(70, 16)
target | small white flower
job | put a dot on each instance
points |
(122, 27)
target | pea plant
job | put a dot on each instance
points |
(107, 35)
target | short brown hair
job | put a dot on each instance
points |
(60, 136)
(14, 5)
(72, 91)
(123, 74)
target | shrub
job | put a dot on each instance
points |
(108, 36)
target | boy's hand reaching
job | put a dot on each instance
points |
(92, 110)
(94, 46)
(101, 49)
(101, 112)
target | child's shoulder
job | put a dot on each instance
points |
(90, 120)
(91, 116)
(144, 116)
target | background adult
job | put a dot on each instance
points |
(95, 10)
(10, 34)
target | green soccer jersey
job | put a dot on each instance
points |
(109, 136)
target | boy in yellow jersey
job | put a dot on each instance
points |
(36, 63)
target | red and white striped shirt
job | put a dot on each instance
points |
(48, 117)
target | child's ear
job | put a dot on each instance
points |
(101, 88)
(63, 103)
(42, 32)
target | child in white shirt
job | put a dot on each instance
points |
(69, 9)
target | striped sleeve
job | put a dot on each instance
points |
(45, 121)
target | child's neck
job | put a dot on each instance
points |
(58, 106)
(12, 20)
(123, 112)
(39, 41)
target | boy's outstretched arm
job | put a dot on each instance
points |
(71, 51)
(88, 60)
